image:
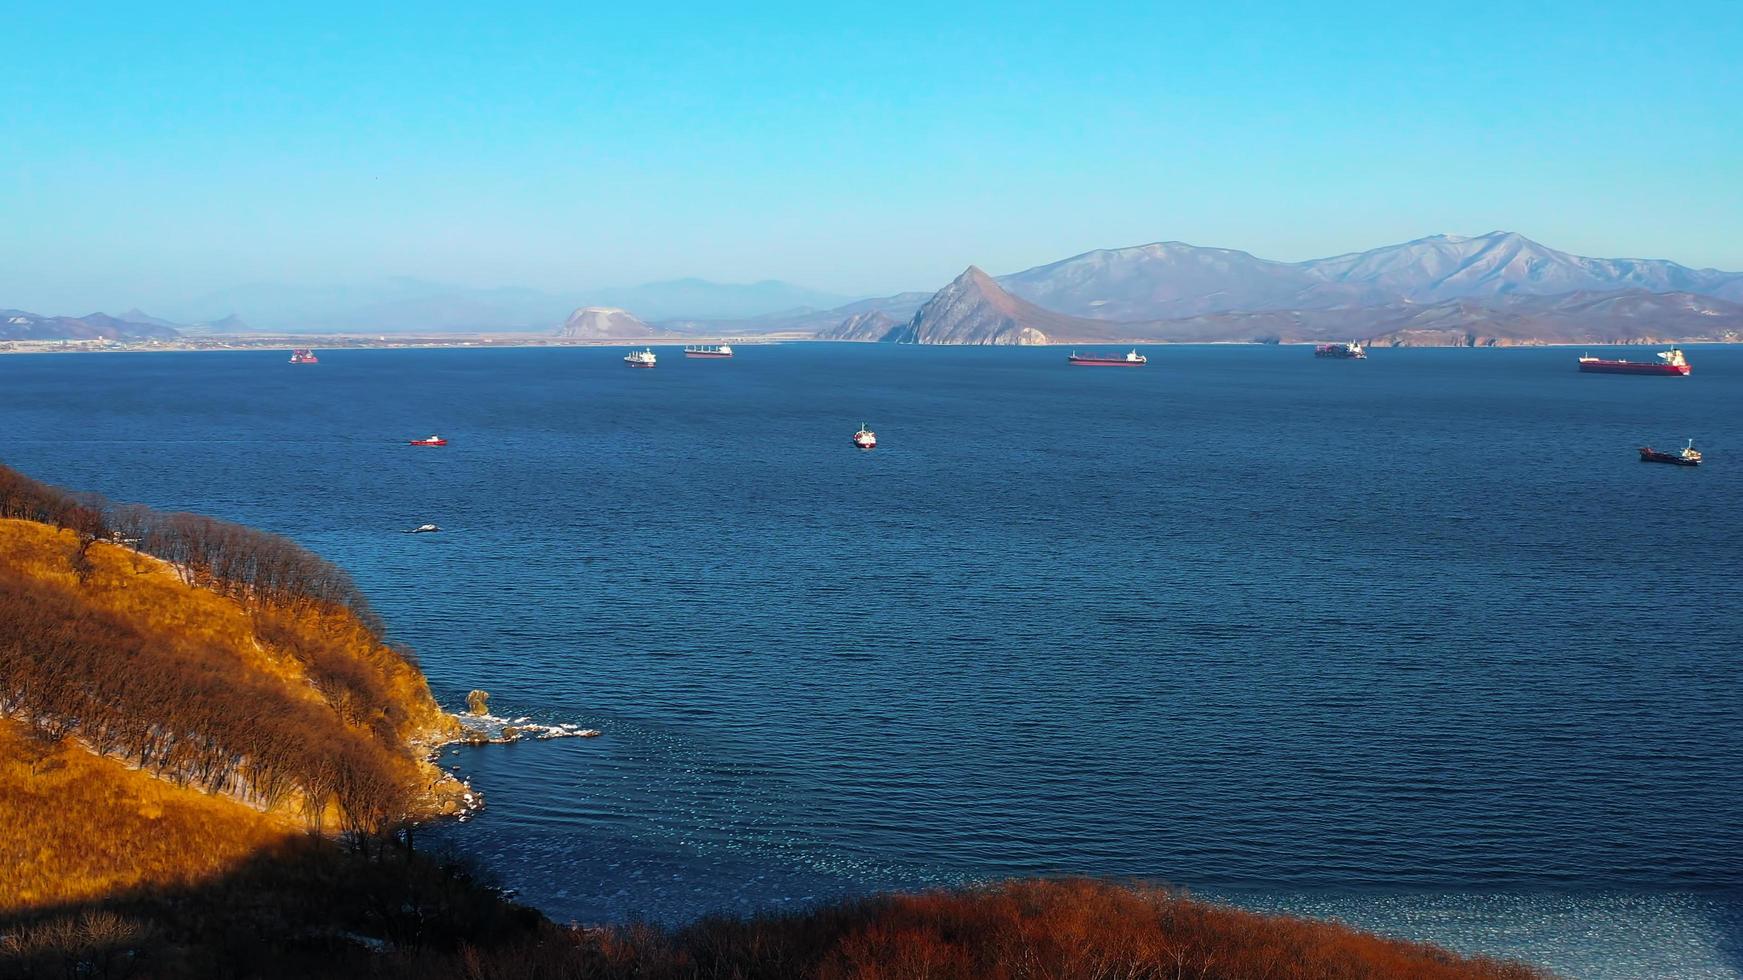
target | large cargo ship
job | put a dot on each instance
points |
(1351, 351)
(696, 350)
(304, 356)
(1670, 362)
(641, 358)
(1687, 456)
(1134, 359)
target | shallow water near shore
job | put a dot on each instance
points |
(1415, 642)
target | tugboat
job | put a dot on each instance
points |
(427, 441)
(1134, 359)
(1672, 363)
(304, 356)
(1352, 351)
(1687, 456)
(698, 350)
(640, 358)
(865, 438)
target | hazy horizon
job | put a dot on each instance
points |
(155, 157)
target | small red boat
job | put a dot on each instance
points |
(304, 356)
(1687, 456)
(427, 441)
(1134, 359)
(865, 438)
(1670, 362)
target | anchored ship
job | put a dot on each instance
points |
(1134, 359)
(1686, 456)
(1670, 362)
(699, 350)
(427, 441)
(865, 438)
(1351, 351)
(304, 356)
(640, 358)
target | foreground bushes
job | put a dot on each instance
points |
(309, 913)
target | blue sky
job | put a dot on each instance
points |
(152, 152)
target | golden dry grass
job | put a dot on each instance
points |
(76, 826)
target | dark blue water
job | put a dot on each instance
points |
(1414, 641)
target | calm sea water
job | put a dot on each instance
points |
(1415, 642)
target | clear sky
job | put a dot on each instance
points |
(150, 152)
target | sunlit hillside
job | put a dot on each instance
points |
(163, 720)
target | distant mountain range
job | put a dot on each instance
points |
(1169, 280)
(135, 324)
(1499, 288)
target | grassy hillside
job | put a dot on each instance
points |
(195, 717)
(155, 730)
(78, 826)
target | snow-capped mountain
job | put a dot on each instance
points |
(1171, 280)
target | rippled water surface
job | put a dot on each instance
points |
(1415, 641)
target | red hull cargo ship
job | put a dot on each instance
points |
(1670, 362)
(1687, 456)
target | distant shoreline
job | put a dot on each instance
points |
(521, 342)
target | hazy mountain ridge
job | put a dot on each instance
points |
(21, 325)
(899, 308)
(400, 304)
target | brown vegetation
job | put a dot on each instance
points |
(248, 669)
(305, 911)
(75, 826)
